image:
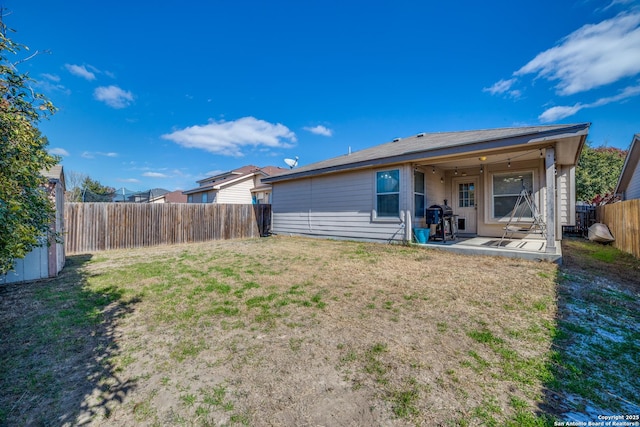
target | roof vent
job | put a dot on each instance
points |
(420, 135)
(396, 139)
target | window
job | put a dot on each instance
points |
(418, 194)
(204, 197)
(388, 193)
(506, 189)
(190, 198)
(466, 195)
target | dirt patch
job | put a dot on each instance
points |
(280, 331)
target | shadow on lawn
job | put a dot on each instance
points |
(595, 355)
(57, 343)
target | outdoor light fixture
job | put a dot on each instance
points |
(483, 158)
(509, 164)
(456, 172)
(441, 180)
(433, 169)
(481, 169)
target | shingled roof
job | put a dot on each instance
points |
(427, 145)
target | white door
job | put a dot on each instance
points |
(465, 204)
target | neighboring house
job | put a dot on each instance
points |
(629, 182)
(47, 260)
(169, 197)
(380, 193)
(239, 186)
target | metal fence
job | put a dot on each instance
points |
(93, 227)
(585, 218)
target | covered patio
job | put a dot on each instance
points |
(534, 249)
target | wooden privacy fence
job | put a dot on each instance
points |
(93, 227)
(623, 219)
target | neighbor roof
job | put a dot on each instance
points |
(425, 145)
(55, 173)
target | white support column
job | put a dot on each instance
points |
(550, 205)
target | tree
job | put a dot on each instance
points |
(93, 191)
(25, 208)
(81, 188)
(73, 183)
(598, 171)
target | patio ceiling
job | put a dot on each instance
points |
(566, 153)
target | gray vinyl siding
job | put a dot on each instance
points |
(633, 190)
(337, 206)
(566, 202)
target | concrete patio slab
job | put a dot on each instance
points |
(531, 249)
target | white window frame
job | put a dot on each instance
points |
(492, 196)
(377, 216)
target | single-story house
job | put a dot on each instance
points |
(629, 182)
(239, 186)
(48, 259)
(382, 192)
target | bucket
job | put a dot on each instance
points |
(421, 234)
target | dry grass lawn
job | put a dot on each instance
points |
(280, 331)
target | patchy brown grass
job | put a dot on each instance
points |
(279, 331)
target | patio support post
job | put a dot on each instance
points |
(550, 205)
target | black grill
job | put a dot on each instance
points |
(440, 220)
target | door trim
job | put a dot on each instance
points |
(455, 199)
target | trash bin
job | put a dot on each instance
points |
(421, 234)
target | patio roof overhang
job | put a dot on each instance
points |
(567, 141)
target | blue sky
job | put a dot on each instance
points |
(162, 94)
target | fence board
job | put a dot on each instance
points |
(623, 220)
(91, 227)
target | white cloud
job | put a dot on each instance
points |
(500, 87)
(319, 130)
(560, 112)
(52, 77)
(51, 83)
(93, 154)
(618, 2)
(155, 175)
(59, 152)
(229, 138)
(113, 96)
(592, 56)
(80, 71)
(129, 180)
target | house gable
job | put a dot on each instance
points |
(629, 181)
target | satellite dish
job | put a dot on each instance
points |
(292, 163)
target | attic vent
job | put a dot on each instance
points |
(396, 139)
(420, 135)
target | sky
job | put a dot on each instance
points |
(162, 94)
